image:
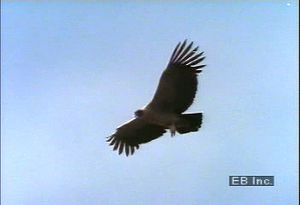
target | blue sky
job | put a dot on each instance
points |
(72, 72)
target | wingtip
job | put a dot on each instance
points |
(185, 54)
(127, 150)
(185, 41)
(116, 145)
(109, 138)
(132, 149)
(121, 148)
(195, 49)
(112, 142)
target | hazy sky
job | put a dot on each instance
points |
(73, 72)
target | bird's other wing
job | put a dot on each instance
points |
(178, 83)
(129, 136)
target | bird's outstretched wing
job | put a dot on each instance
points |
(178, 83)
(129, 136)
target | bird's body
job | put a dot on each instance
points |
(165, 119)
(160, 118)
(175, 93)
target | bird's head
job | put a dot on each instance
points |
(139, 113)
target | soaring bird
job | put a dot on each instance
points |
(174, 95)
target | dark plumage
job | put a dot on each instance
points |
(174, 95)
(134, 133)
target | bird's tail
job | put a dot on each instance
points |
(189, 123)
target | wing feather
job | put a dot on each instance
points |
(193, 58)
(116, 145)
(178, 83)
(121, 147)
(129, 136)
(189, 55)
(185, 52)
(131, 150)
(180, 50)
(195, 62)
(174, 52)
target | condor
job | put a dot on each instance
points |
(174, 95)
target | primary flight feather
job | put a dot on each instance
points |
(175, 93)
